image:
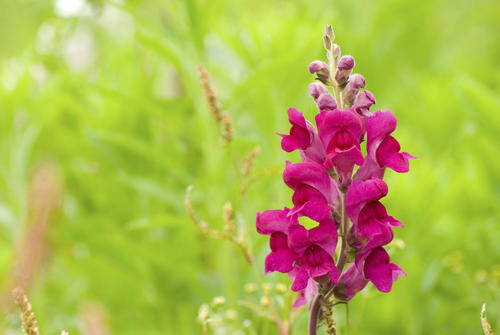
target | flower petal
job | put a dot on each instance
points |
(300, 281)
(362, 192)
(379, 271)
(281, 261)
(273, 220)
(311, 174)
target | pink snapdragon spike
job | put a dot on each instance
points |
(339, 188)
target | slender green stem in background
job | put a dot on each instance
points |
(346, 318)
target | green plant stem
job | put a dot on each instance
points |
(346, 318)
(343, 229)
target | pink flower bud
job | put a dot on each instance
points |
(363, 102)
(326, 102)
(316, 89)
(321, 70)
(346, 63)
(356, 81)
(319, 67)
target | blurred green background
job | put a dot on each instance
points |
(107, 93)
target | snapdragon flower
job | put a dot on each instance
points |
(339, 188)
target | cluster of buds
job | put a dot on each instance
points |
(344, 201)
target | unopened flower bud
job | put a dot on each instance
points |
(344, 69)
(321, 70)
(328, 37)
(356, 81)
(363, 102)
(316, 89)
(329, 32)
(346, 63)
(319, 66)
(326, 102)
(351, 282)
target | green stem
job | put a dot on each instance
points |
(346, 319)
(343, 229)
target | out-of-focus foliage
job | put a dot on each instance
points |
(108, 92)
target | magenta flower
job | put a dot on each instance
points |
(372, 226)
(314, 190)
(340, 132)
(327, 189)
(303, 136)
(351, 282)
(383, 148)
(378, 269)
(316, 248)
(275, 223)
(363, 102)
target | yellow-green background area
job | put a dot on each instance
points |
(110, 96)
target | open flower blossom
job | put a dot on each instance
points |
(339, 188)
(303, 136)
(314, 190)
